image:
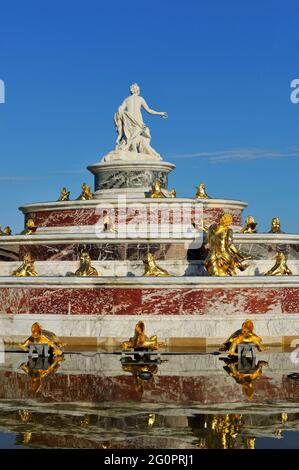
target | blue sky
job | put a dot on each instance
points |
(221, 69)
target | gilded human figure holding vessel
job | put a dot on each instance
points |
(223, 258)
(38, 375)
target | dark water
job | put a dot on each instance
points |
(92, 400)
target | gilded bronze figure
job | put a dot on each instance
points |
(151, 269)
(41, 336)
(64, 195)
(223, 258)
(156, 190)
(140, 340)
(86, 193)
(250, 225)
(201, 192)
(85, 268)
(201, 226)
(244, 335)
(30, 228)
(280, 267)
(6, 231)
(27, 268)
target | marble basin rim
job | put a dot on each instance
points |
(113, 201)
(183, 282)
(86, 234)
(129, 164)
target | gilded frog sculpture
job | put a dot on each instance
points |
(151, 269)
(64, 195)
(244, 335)
(86, 194)
(27, 268)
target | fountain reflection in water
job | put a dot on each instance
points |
(90, 401)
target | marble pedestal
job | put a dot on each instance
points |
(132, 178)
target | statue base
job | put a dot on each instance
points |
(129, 156)
(133, 178)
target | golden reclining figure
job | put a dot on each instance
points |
(151, 269)
(244, 335)
(27, 268)
(140, 340)
(40, 336)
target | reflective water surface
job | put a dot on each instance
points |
(100, 400)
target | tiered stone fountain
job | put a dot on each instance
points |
(187, 308)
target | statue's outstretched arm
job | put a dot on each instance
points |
(151, 111)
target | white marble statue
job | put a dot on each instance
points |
(133, 136)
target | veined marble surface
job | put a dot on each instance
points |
(214, 328)
(115, 201)
(66, 242)
(135, 269)
(75, 234)
(192, 282)
(129, 231)
(130, 179)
